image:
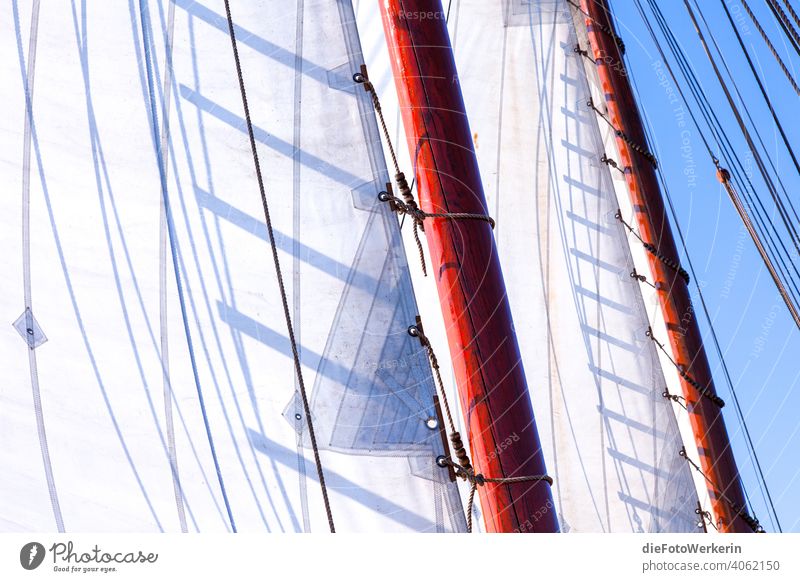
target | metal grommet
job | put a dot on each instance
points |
(413, 331)
(298, 416)
(432, 423)
(358, 78)
(441, 460)
(384, 196)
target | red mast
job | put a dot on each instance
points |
(713, 445)
(486, 359)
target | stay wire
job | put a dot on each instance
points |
(661, 178)
(717, 129)
(279, 274)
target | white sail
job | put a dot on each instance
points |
(149, 382)
(610, 438)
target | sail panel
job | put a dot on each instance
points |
(167, 381)
(610, 438)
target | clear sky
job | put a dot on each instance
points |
(758, 337)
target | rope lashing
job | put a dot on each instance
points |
(653, 250)
(617, 40)
(610, 162)
(583, 52)
(406, 205)
(463, 468)
(478, 479)
(635, 146)
(702, 390)
(740, 511)
(675, 398)
(704, 516)
(642, 279)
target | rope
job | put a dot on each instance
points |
(478, 479)
(624, 137)
(617, 40)
(792, 12)
(278, 273)
(610, 162)
(703, 390)
(463, 468)
(635, 275)
(724, 144)
(675, 398)
(785, 24)
(705, 515)
(771, 48)
(748, 519)
(653, 250)
(406, 205)
(725, 178)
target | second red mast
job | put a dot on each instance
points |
(491, 381)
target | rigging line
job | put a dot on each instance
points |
(691, 113)
(677, 399)
(761, 87)
(789, 148)
(774, 52)
(742, 126)
(770, 186)
(702, 390)
(769, 158)
(724, 177)
(708, 113)
(753, 456)
(726, 372)
(740, 511)
(653, 250)
(407, 206)
(785, 24)
(623, 136)
(791, 11)
(463, 468)
(278, 272)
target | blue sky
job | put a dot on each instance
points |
(758, 337)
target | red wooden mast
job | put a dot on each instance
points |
(494, 396)
(716, 457)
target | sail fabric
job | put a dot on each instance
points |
(149, 382)
(610, 438)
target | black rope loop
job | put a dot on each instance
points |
(750, 520)
(646, 154)
(702, 390)
(653, 250)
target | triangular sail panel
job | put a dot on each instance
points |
(156, 390)
(610, 438)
